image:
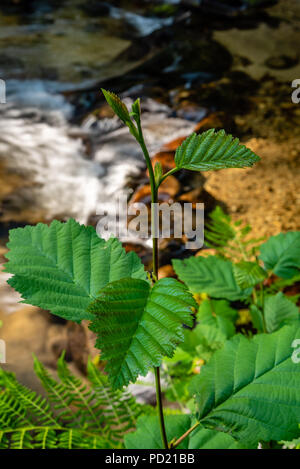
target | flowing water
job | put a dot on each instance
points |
(39, 142)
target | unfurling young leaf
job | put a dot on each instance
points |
(121, 111)
(213, 150)
(136, 111)
(117, 105)
(137, 325)
(62, 267)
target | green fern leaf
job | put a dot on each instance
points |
(250, 388)
(46, 438)
(137, 326)
(279, 311)
(58, 393)
(12, 413)
(21, 439)
(61, 267)
(76, 439)
(36, 406)
(213, 150)
(230, 238)
(120, 409)
(83, 418)
(80, 396)
(210, 275)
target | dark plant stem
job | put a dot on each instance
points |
(154, 199)
(160, 408)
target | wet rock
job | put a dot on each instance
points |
(142, 249)
(95, 8)
(281, 62)
(258, 43)
(166, 271)
(216, 120)
(81, 344)
(166, 159)
(206, 252)
(27, 331)
(192, 113)
(167, 191)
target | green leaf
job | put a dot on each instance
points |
(257, 318)
(210, 275)
(158, 172)
(218, 313)
(213, 150)
(203, 341)
(147, 435)
(250, 388)
(176, 426)
(136, 111)
(203, 438)
(137, 325)
(62, 267)
(117, 105)
(281, 254)
(279, 311)
(248, 274)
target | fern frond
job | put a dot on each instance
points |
(21, 439)
(77, 439)
(58, 393)
(230, 238)
(82, 398)
(74, 415)
(120, 409)
(46, 438)
(12, 413)
(37, 407)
